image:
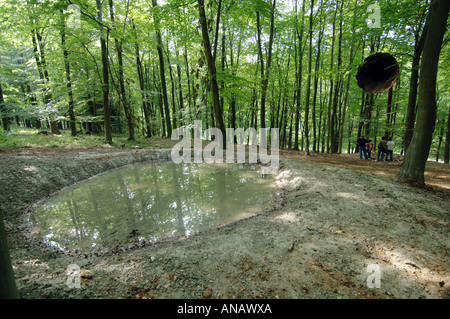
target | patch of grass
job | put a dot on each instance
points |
(34, 138)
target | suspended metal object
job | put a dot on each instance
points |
(378, 73)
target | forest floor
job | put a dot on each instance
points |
(337, 218)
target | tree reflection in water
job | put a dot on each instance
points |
(149, 202)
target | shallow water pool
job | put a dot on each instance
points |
(148, 202)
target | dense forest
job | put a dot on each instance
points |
(144, 68)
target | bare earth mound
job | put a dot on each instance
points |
(336, 216)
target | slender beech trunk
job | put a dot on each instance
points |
(234, 67)
(387, 131)
(266, 72)
(160, 103)
(417, 154)
(145, 101)
(73, 128)
(299, 34)
(162, 71)
(105, 75)
(222, 65)
(367, 103)
(216, 34)
(180, 91)
(47, 95)
(212, 70)
(254, 108)
(122, 94)
(93, 126)
(323, 96)
(172, 82)
(190, 83)
(43, 73)
(329, 121)
(8, 288)
(414, 79)
(3, 111)
(337, 91)
(447, 140)
(308, 83)
(440, 137)
(316, 80)
(341, 131)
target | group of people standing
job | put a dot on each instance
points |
(385, 148)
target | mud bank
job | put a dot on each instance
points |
(317, 241)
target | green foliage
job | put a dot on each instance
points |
(33, 138)
(237, 61)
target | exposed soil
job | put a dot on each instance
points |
(437, 175)
(336, 216)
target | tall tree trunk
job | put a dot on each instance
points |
(180, 92)
(43, 73)
(222, 65)
(3, 111)
(341, 132)
(190, 95)
(440, 137)
(319, 133)
(417, 154)
(211, 70)
(387, 131)
(447, 140)
(8, 289)
(174, 109)
(414, 78)
(266, 74)
(105, 73)
(308, 83)
(329, 120)
(344, 113)
(122, 94)
(368, 108)
(47, 95)
(160, 104)
(162, 71)
(234, 67)
(254, 108)
(73, 128)
(299, 34)
(93, 126)
(144, 95)
(316, 80)
(260, 53)
(337, 92)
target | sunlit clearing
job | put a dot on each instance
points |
(287, 217)
(413, 268)
(348, 195)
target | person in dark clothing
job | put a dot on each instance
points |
(382, 148)
(362, 147)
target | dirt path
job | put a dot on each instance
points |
(437, 175)
(330, 224)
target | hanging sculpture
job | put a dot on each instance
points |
(378, 73)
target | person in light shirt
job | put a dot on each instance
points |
(390, 150)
